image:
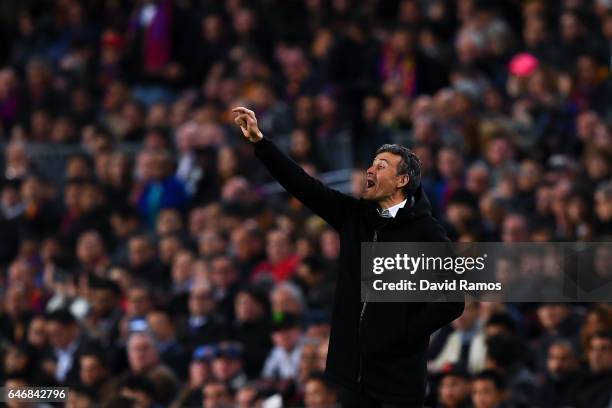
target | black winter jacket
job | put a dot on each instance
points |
(378, 346)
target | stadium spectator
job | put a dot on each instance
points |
(562, 372)
(489, 391)
(284, 359)
(594, 388)
(454, 389)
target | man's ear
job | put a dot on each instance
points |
(404, 179)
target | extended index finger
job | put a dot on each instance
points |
(241, 109)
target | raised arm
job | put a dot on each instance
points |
(329, 204)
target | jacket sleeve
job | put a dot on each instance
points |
(327, 203)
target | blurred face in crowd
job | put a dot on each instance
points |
(182, 267)
(15, 360)
(278, 246)
(330, 244)
(300, 144)
(78, 167)
(571, 28)
(140, 252)
(223, 273)
(286, 338)
(215, 394)
(304, 110)
(199, 372)
(20, 274)
(499, 151)
(529, 175)
(318, 395)
(244, 245)
(90, 248)
(586, 123)
(92, 370)
(201, 301)
(450, 163)
(227, 163)
(139, 302)
(284, 300)
(145, 165)
(308, 360)
(103, 301)
(161, 163)
(551, 316)
(225, 368)
(72, 194)
(477, 180)
(37, 334)
(211, 242)
(161, 326)
(123, 225)
(247, 308)
(535, 32)
(603, 204)
(169, 222)
(561, 360)
(383, 183)
(61, 335)
(31, 190)
(142, 354)
(453, 390)
(515, 229)
(485, 394)
(599, 354)
(245, 398)
(168, 248)
(212, 28)
(602, 261)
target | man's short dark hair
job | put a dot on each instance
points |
(96, 283)
(61, 316)
(493, 376)
(506, 350)
(502, 319)
(410, 165)
(139, 383)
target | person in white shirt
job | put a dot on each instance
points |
(283, 361)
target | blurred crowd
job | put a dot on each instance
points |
(173, 278)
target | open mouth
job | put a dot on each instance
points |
(370, 183)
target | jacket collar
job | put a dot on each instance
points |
(417, 206)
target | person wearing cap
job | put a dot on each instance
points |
(284, 359)
(377, 351)
(228, 364)
(199, 373)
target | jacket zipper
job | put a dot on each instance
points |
(363, 309)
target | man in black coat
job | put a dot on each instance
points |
(377, 351)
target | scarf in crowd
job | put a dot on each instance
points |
(157, 36)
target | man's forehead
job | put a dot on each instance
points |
(388, 157)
